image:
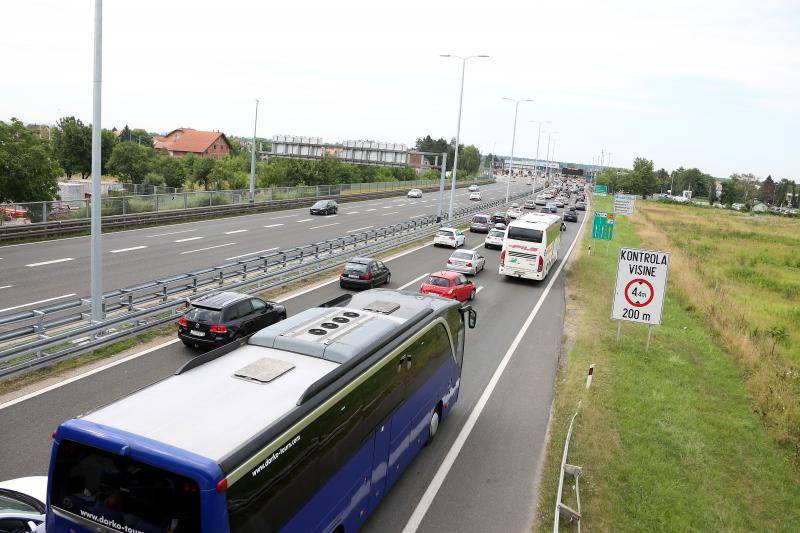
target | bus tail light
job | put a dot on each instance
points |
(218, 329)
(469, 264)
(182, 322)
(222, 486)
(503, 258)
(541, 264)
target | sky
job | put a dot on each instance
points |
(713, 84)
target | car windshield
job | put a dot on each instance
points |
(461, 255)
(444, 233)
(356, 267)
(496, 233)
(320, 204)
(525, 234)
(479, 220)
(439, 282)
(9, 503)
(202, 314)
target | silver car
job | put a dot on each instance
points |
(480, 223)
(415, 193)
(466, 262)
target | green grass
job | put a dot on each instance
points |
(669, 439)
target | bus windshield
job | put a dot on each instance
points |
(524, 234)
(99, 487)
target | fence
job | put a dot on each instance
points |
(179, 199)
(38, 337)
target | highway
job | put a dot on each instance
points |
(479, 473)
(49, 272)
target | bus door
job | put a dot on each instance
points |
(380, 462)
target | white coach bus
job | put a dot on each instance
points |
(531, 246)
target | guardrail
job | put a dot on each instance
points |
(49, 219)
(38, 337)
(575, 471)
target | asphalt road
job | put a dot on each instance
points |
(48, 272)
(490, 486)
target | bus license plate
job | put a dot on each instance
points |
(198, 333)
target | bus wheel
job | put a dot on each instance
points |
(433, 426)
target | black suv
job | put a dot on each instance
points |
(218, 318)
(364, 273)
(570, 215)
(499, 218)
(325, 207)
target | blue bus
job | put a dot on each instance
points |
(305, 426)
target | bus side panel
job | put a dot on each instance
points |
(380, 464)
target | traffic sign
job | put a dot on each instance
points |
(641, 284)
(624, 204)
(600, 189)
(603, 226)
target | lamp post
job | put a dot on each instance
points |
(253, 160)
(458, 126)
(97, 245)
(547, 168)
(513, 139)
(538, 138)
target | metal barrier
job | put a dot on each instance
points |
(64, 217)
(575, 471)
(40, 336)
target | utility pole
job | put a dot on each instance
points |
(253, 160)
(513, 140)
(96, 268)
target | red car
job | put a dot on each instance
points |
(13, 211)
(449, 284)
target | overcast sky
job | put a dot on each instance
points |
(713, 83)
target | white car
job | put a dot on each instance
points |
(473, 188)
(415, 193)
(466, 262)
(475, 196)
(514, 212)
(22, 503)
(494, 239)
(449, 237)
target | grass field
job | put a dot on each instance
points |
(671, 439)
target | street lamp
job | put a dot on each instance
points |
(547, 168)
(96, 265)
(458, 126)
(513, 139)
(538, 138)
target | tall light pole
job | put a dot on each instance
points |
(538, 138)
(547, 167)
(458, 126)
(97, 245)
(253, 160)
(513, 139)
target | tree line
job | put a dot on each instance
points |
(31, 165)
(745, 188)
(469, 157)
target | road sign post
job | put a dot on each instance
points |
(624, 204)
(603, 226)
(640, 287)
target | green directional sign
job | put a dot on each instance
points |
(600, 189)
(603, 226)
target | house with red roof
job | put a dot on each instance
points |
(182, 141)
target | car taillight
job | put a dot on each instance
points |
(368, 275)
(182, 322)
(503, 258)
(541, 264)
(218, 329)
(469, 264)
(449, 262)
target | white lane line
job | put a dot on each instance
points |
(171, 233)
(284, 216)
(208, 248)
(6, 286)
(132, 248)
(251, 253)
(188, 239)
(413, 281)
(352, 213)
(273, 225)
(305, 220)
(438, 479)
(387, 207)
(324, 225)
(368, 210)
(479, 289)
(329, 216)
(50, 262)
(348, 231)
(390, 213)
(235, 231)
(38, 302)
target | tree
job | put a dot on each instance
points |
(748, 184)
(731, 193)
(662, 179)
(609, 178)
(766, 192)
(781, 189)
(219, 175)
(641, 180)
(130, 161)
(153, 178)
(201, 171)
(469, 160)
(107, 143)
(171, 169)
(692, 179)
(72, 146)
(712, 193)
(27, 172)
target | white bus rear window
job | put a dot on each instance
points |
(524, 234)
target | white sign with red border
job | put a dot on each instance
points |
(641, 285)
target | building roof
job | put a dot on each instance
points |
(189, 140)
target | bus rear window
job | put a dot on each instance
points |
(99, 487)
(525, 234)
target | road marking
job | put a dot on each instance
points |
(352, 213)
(359, 229)
(50, 262)
(438, 479)
(305, 220)
(208, 248)
(251, 253)
(188, 239)
(235, 231)
(6, 286)
(387, 207)
(273, 225)
(171, 233)
(38, 302)
(324, 225)
(284, 216)
(400, 288)
(126, 249)
(390, 213)
(84, 375)
(368, 210)
(479, 289)
(329, 216)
